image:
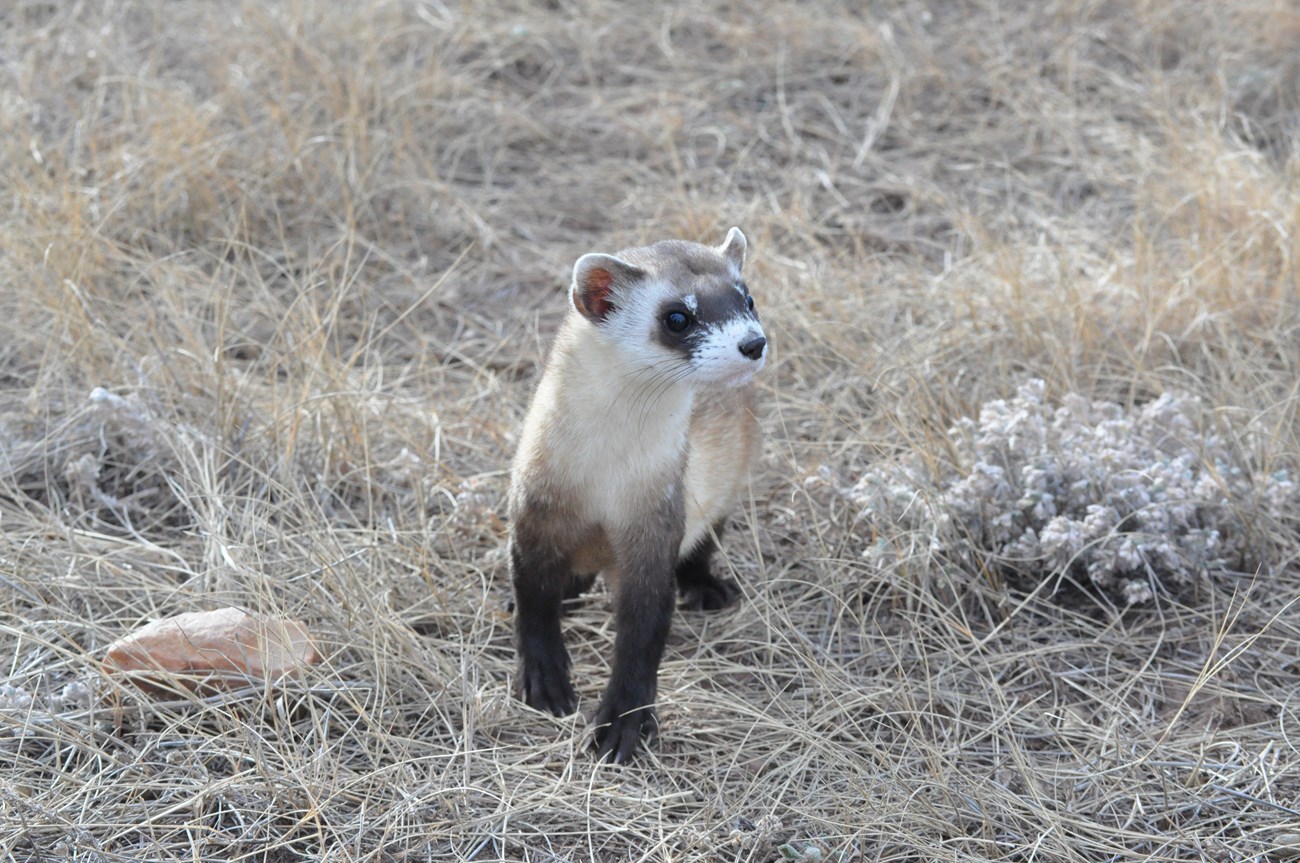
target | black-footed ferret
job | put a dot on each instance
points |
(638, 441)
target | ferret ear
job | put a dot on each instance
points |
(596, 277)
(733, 248)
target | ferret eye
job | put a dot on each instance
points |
(749, 303)
(677, 322)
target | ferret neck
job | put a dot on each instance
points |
(614, 384)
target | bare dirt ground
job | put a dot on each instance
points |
(275, 284)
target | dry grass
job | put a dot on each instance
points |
(317, 249)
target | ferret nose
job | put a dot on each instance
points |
(753, 348)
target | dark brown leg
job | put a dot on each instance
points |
(700, 589)
(578, 585)
(643, 615)
(643, 611)
(540, 579)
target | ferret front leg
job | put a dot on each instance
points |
(540, 579)
(643, 610)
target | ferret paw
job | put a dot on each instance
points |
(711, 595)
(544, 684)
(618, 733)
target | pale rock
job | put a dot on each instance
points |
(228, 646)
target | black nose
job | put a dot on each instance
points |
(753, 348)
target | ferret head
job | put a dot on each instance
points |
(677, 308)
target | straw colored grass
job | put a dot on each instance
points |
(312, 253)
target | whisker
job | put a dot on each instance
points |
(681, 370)
(647, 389)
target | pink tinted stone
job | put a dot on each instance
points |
(227, 646)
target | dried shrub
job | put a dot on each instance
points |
(110, 465)
(1132, 502)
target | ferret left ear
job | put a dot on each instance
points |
(596, 279)
(733, 248)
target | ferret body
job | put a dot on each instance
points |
(637, 445)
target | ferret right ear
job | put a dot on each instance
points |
(733, 248)
(596, 278)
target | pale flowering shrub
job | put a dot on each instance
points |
(74, 695)
(109, 463)
(1128, 501)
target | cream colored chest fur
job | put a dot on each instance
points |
(603, 450)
